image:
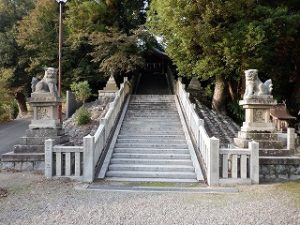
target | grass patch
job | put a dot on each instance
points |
(19, 189)
(292, 188)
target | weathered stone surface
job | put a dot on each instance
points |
(276, 169)
(47, 84)
(7, 165)
(38, 165)
(22, 157)
(254, 86)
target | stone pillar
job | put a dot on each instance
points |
(88, 159)
(291, 139)
(213, 162)
(254, 162)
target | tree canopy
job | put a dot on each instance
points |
(218, 40)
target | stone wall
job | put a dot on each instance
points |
(24, 166)
(285, 168)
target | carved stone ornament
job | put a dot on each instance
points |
(47, 84)
(255, 87)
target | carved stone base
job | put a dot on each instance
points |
(257, 114)
(45, 111)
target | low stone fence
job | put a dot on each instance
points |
(79, 162)
(237, 165)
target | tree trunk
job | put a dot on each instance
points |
(231, 91)
(219, 97)
(21, 99)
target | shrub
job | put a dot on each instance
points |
(14, 109)
(81, 90)
(4, 113)
(82, 116)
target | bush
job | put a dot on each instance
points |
(14, 109)
(82, 116)
(4, 113)
(81, 90)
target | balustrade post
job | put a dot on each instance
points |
(88, 159)
(49, 144)
(213, 162)
(254, 162)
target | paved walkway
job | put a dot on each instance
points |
(10, 133)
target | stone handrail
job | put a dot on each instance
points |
(209, 148)
(87, 156)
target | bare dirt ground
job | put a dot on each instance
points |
(33, 200)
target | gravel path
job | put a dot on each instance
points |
(33, 200)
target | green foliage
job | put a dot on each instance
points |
(82, 116)
(8, 110)
(117, 52)
(82, 90)
(37, 33)
(12, 76)
(4, 113)
(14, 109)
(223, 38)
(236, 112)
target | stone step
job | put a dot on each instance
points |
(186, 162)
(41, 140)
(147, 109)
(149, 168)
(150, 156)
(28, 148)
(122, 179)
(151, 151)
(141, 132)
(157, 117)
(152, 145)
(22, 157)
(150, 128)
(177, 137)
(152, 140)
(161, 123)
(44, 132)
(150, 120)
(143, 174)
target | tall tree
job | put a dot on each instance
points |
(12, 76)
(219, 39)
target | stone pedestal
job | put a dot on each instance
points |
(257, 125)
(28, 154)
(45, 111)
(257, 114)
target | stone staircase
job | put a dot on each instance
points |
(151, 144)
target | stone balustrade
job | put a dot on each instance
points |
(79, 162)
(237, 165)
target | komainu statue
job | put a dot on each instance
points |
(47, 84)
(254, 86)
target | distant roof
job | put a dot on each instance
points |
(279, 111)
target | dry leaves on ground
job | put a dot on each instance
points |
(3, 193)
